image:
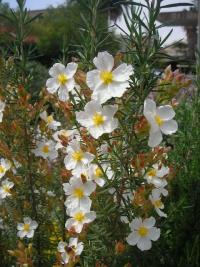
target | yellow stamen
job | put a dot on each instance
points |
(26, 227)
(98, 172)
(62, 79)
(2, 169)
(106, 77)
(159, 120)
(78, 192)
(45, 149)
(6, 189)
(152, 173)
(79, 216)
(77, 155)
(98, 119)
(143, 231)
(49, 119)
(158, 203)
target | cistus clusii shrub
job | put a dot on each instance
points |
(84, 169)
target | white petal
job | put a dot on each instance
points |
(149, 107)
(117, 89)
(165, 112)
(149, 222)
(154, 233)
(33, 225)
(93, 79)
(133, 238)
(57, 69)
(63, 94)
(135, 224)
(85, 203)
(155, 138)
(30, 234)
(123, 72)
(91, 216)
(52, 85)
(169, 127)
(102, 93)
(104, 61)
(71, 69)
(144, 244)
(89, 187)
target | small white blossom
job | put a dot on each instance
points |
(79, 217)
(70, 250)
(160, 120)
(97, 119)
(50, 122)
(5, 187)
(78, 193)
(62, 80)
(97, 174)
(4, 166)
(27, 228)
(155, 175)
(143, 232)
(77, 158)
(45, 149)
(157, 203)
(106, 82)
(68, 134)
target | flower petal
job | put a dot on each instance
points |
(149, 222)
(123, 72)
(144, 244)
(165, 112)
(155, 138)
(104, 61)
(154, 233)
(169, 127)
(133, 238)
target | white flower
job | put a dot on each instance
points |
(106, 82)
(51, 123)
(2, 107)
(97, 119)
(158, 205)
(67, 134)
(71, 250)
(4, 166)
(6, 185)
(143, 232)
(160, 120)
(79, 217)
(62, 80)
(45, 149)
(78, 193)
(27, 228)
(155, 175)
(77, 158)
(97, 174)
(161, 190)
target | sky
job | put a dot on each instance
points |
(178, 32)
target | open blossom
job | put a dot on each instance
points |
(76, 158)
(161, 189)
(50, 122)
(157, 203)
(45, 149)
(143, 232)
(67, 135)
(106, 82)
(97, 119)
(160, 120)
(62, 80)
(78, 193)
(2, 107)
(79, 217)
(5, 188)
(4, 166)
(27, 228)
(155, 175)
(70, 250)
(97, 174)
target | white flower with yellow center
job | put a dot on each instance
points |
(45, 149)
(76, 158)
(160, 120)
(157, 203)
(70, 250)
(27, 228)
(79, 217)
(155, 175)
(78, 193)
(2, 107)
(50, 122)
(97, 119)
(62, 80)
(143, 232)
(4, 166)
(106, 82)
(69, 135)
(5, 188)
(97, 174)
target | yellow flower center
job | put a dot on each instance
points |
(77, 155)
(26, 227)
(98, 119)
(78, 192)
(106, 77)
(159, 120)
(152, 173)
(143, 231)
(2, 169)
(157, 203)
(45, 149)
(6, 189)
(49, 119)
(79, 216)
(62, 79)
(98, 172)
